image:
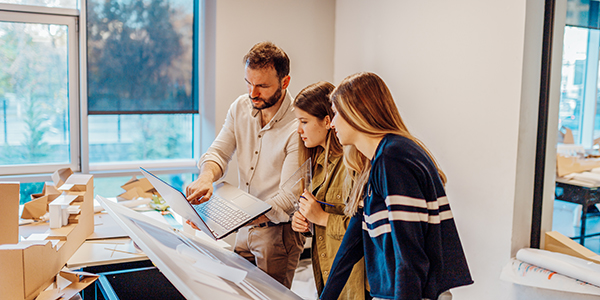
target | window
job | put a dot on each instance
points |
(579, 84)
(573, 79)
(38, 93)
(140, 67)
(579, 103)
(103, 90)
(140, 56)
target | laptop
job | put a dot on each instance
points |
(228, 209)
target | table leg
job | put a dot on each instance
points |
(584, 209)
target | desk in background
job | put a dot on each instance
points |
(580, 193)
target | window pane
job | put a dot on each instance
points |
(583, 13)
(573, 79)
(47, 3)
(140, 56)
(29, 188)
(141, 137)
(34, 94)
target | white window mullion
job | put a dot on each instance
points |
(84, 159)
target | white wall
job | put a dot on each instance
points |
(465, 76)
(303, 29)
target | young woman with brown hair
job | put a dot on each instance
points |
(313, 111)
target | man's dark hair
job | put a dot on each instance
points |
(265, 55)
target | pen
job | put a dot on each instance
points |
(328, 204)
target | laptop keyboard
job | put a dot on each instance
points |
(221, 212)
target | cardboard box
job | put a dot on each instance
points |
(9, 221)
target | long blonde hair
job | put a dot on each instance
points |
(314, 100)
(365, 102)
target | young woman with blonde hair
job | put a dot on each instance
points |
(313, 111)
(402, 224)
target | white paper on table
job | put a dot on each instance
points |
(522, 273)
(206, 264)
(590, 177)
(563, 264)
(156, 216)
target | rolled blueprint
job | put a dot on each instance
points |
(567, 265)
(527, 274)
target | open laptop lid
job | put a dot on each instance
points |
(178, 202)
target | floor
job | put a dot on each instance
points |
(304, 282)
(566, 220)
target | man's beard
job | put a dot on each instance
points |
(266, 103)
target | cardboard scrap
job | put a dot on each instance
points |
(565, 135)
(60, 176)
(76, 282)
(574, 164)
(557, 242)
(35, 209)
(135, 188)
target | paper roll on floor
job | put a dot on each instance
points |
(563, 264)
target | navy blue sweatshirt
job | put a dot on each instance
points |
(405, 232)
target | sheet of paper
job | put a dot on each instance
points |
(156, 216)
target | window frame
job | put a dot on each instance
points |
(60, 16)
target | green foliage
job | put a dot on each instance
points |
(33, 81)
(158, 203)
(157, 139)
(132, 46)
(36, 125)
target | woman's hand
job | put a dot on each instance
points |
(312, 210)
(299, 223)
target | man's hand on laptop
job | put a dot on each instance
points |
(199, 191)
